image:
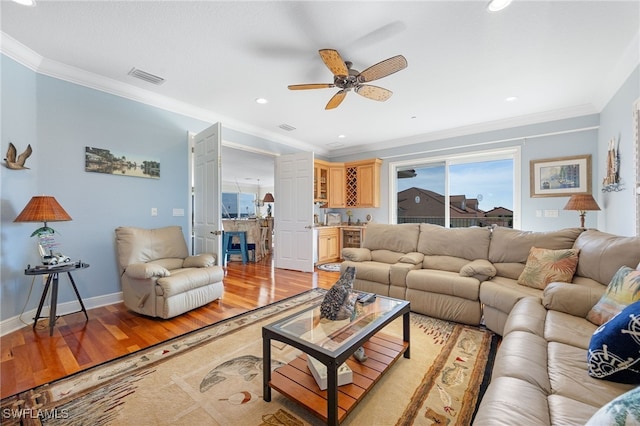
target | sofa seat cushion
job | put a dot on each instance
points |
(568, 329)
(503, 293)
(443, 282)
(523, 355)
(183, 280)
(513, 401)
(370, 271)
(569, 377)
(169, 263)
(567, 411)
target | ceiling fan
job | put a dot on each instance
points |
(346, 78)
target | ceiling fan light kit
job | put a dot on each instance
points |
(345, 78)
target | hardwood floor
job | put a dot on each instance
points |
(30, 357)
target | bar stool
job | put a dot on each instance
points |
(264, 240)
(227, 245)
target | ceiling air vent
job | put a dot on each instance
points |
(143, 75)
(287, 127)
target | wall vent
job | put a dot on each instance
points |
(287, 127)
(143, 75)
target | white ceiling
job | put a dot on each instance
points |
(560, 58)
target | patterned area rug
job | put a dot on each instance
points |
(213, 376)
(331, 267)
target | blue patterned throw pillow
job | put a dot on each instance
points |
(614, 349)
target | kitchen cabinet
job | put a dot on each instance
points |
(336, 185)
(362, 188)
(321, 182)
(328, 245)
(343, 185)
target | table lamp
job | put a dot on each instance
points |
(43, 208)
(268, 198)
(582, 203)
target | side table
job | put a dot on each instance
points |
(52, 281)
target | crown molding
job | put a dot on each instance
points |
(44, 66)
(474, 129)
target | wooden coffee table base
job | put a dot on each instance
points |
(295, 381)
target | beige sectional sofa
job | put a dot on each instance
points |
(470, 275)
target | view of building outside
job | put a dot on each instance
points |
(480, 194)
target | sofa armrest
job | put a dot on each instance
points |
(481, 269)
(356, 254)
(199, 261)
(573, 299)
(398, 273)
(143, 271)
(413, 258)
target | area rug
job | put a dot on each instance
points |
(330, 267)
(213, 376)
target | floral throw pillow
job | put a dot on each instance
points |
(545, 266)
(623, 290)
(622, 411)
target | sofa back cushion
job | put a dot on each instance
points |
(402, 238)
(513, 246)
(467, 243)
(602, 254)
(138, 245)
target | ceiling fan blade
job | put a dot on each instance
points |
(334, 61)
(311, 86)
(383, 69)
(336, 99)
(374, 92)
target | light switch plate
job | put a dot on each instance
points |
(154, 211)
(551, 213)
(178, 212)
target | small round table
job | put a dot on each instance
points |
(52, 281)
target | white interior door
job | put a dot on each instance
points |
(207, 219)
(294, 212)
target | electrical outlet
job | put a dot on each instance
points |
(154, 211)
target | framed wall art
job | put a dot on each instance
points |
(100, 160)
(561, 177)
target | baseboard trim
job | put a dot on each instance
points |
(15, 323)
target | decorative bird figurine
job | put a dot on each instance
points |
(12, 162)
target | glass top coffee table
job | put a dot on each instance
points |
(332, 343)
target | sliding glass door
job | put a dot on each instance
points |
(475, 189)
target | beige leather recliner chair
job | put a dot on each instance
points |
(158, 276)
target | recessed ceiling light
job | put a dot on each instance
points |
(498, 5)
(26, 2)
(341, 136)
(511, 99)
(261, 101)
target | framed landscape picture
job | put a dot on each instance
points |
(561, 177)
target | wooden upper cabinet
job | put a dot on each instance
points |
(343, 185)
(321, 181)
(363, 183)
(336, 185)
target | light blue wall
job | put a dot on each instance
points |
(575, 136)
(59, 119)
(618, 216)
